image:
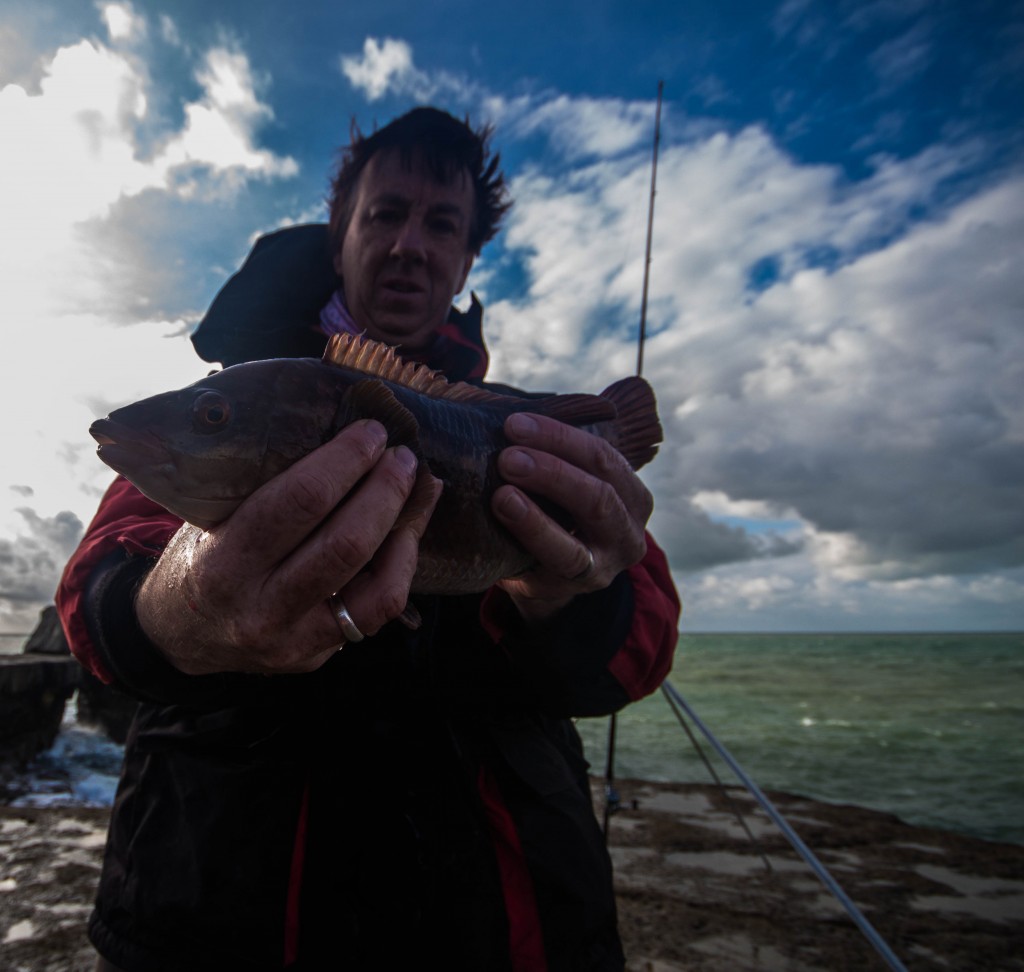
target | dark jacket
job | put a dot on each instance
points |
(420, 799)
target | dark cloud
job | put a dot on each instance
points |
(693, 541)
(875, 397)
(31, 563)
(163, 257)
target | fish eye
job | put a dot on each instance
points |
(211, 411)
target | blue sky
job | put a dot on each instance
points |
(836, 294)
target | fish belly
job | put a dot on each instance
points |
(464, 549)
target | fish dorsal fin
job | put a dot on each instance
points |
(626, 412)
(377, 360)
(575, 409)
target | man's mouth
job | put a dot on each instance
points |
(401, 286)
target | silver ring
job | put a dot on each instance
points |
(590, 565)
(348, 627)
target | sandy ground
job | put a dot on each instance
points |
(695, 893)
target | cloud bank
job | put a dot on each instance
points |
(838, 362)
(86, 188)
(838, 359)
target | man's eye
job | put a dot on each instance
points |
(386, 216)
(443, 227)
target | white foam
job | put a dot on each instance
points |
(20, 930)
(81, 769)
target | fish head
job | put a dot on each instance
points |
(201, 450)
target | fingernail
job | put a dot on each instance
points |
(515, 462)
(523, 425)
(513, 505)
(372, 428)
(406, 457)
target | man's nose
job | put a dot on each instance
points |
(410, 241)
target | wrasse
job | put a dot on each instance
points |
(200, 451)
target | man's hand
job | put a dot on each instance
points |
(250, 594)
(589, 479)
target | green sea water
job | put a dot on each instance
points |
(927, 726)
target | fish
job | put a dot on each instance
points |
(201, 450)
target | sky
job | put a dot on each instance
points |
(836, 290)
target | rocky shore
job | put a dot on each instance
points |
(694, 892)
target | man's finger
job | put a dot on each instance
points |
(291, 506)
(351, 535)
(561, 554)
(583, 450)
(592, 504)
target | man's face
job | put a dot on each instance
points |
(406, 252)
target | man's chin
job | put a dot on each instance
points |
(399, 330)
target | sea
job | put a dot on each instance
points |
(929, 727)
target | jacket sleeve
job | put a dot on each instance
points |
(604, 650)
(96, 605)
(127, 527)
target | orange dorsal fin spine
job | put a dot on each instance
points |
(376, 360)
(626, 411)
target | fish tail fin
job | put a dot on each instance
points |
(636, 431)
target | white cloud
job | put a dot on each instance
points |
(577, 126)
(902, 58)
(822, 356)
(877, 399)
(218, 131)
(386, 67)
(122, 21)
(718, 503)
(69, 161)
(31, 563)
(383, 65)
(169, 31)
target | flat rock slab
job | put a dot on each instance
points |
(695, 895)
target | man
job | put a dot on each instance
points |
(418, 797)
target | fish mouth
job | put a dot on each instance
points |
(125, 449)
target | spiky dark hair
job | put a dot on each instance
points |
(446, 146)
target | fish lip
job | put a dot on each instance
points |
(122, 447)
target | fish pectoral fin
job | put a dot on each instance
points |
(372, 399)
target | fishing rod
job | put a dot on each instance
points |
(679, 705)
(650, 233)
(790, 834)
(611, 796)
